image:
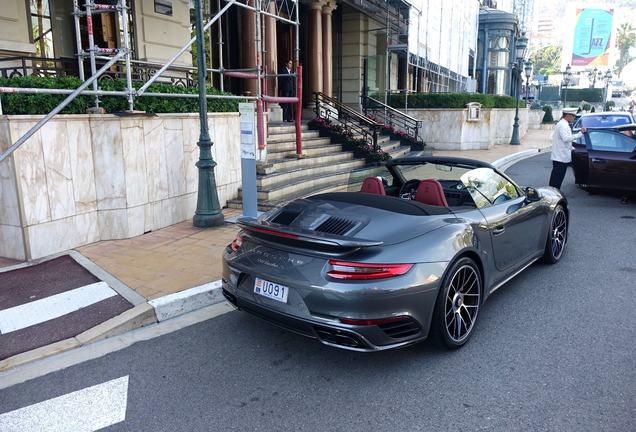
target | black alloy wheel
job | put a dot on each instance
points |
(457, 305)
(557, 236)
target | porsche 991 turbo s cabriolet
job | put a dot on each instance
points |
(408, 257)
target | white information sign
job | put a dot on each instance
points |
(248, 132)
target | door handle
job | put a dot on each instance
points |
(600, 161)
(499, 230)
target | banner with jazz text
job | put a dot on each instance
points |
(592, 34)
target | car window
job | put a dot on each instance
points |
(611, 141)
(430, 171)
(488, 188)
(604, 121)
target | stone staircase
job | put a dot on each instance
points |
(325, 167)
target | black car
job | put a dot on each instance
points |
(606, 158)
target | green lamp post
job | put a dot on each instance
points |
(208, 213)
(517, 67)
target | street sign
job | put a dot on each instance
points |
(248, 141)
(247, 122)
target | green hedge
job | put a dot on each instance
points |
(15, 103)
(583, 94)
(547, 118)
(452, 100)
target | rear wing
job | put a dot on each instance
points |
(304, 238)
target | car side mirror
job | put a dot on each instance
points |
(532, 195)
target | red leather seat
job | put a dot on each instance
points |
(431, 192)
(373, 185)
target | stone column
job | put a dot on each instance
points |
(248, 51)
(271, 57)
(327, 49)
(314, 53)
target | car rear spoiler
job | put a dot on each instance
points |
(299, 235)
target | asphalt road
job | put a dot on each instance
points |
(554, 351)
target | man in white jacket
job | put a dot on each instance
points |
(562, 147)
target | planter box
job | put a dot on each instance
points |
(85, 178)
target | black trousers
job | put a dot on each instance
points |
(288, 111)
(558, 173)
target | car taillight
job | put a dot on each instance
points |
(237, 242)
(364, 271)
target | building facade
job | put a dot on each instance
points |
(45, 29)
(347, 48)
(443, 44)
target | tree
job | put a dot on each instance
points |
(625, 39)
(547, 60)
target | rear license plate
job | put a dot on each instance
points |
(271, 290)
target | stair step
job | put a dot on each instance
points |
(390, 145)
(291, 145)
(308, 186)
(286, 128)
(320, 150)
(293, 175)
(282, 137)
(286, 164)
(348, 185)
(399, 151)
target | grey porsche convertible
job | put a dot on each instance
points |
(411, 255)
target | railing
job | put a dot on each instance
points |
(389, 116)
(357, 124)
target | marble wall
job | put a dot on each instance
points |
(448, 129)
(84, 178)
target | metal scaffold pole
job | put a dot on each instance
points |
(123, 13)
(78, 40)
(220, 36)
(259, 89)
(88, 6)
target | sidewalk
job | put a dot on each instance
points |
(539, 139)
(175, 270)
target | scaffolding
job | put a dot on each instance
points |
(286, 11)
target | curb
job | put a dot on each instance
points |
(502, 164)
(183, 302)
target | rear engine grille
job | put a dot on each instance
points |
(339, 337)
(285, 217)
(401, 329)
(336, 225)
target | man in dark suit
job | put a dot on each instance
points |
(286, 89)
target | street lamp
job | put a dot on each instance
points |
(520, 52)
(528, 72)
(591, 76)
(208, 213)
(565, 82)
(608, 79)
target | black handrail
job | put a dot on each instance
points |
(351, 120)
(392, 117)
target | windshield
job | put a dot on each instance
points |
(478, 187)
(604, 121)
(430, 171)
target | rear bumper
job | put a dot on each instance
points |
(354, 338)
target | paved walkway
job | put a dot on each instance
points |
(534, 139)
